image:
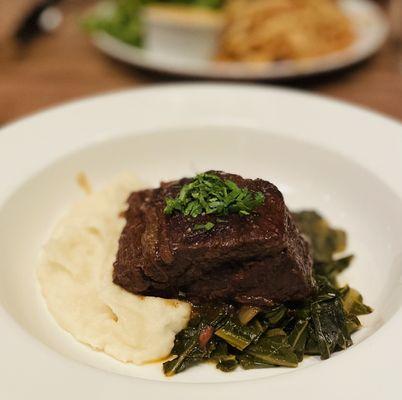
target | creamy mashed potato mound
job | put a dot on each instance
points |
(75, 275)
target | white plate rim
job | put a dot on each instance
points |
(36, 362)
(363, 48)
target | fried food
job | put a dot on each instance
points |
(273, 30)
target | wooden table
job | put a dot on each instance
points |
(64, 66)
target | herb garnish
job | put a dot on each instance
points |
(210, 194)
(207, 227)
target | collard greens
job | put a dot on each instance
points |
(283, 335)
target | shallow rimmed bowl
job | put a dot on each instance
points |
(342, 160)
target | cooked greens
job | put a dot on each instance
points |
(124, 19)
(251, 337)
(240, 336)
(325, 240)
(353, 302)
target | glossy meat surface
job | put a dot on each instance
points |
(259, 259)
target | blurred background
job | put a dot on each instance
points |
(60, 64)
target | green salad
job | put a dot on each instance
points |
(250, 337)
(124, 22)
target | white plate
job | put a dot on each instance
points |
(369, 22)
(345, 161)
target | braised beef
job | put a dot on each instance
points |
(258, 259)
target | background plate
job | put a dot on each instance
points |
(368, 19)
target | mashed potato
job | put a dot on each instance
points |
(75, 275)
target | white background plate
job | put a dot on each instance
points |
(323, 154)
(370, 25)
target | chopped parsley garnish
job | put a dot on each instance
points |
(210, 194)
(206, 227)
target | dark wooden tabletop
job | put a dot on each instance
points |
(64, 65)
